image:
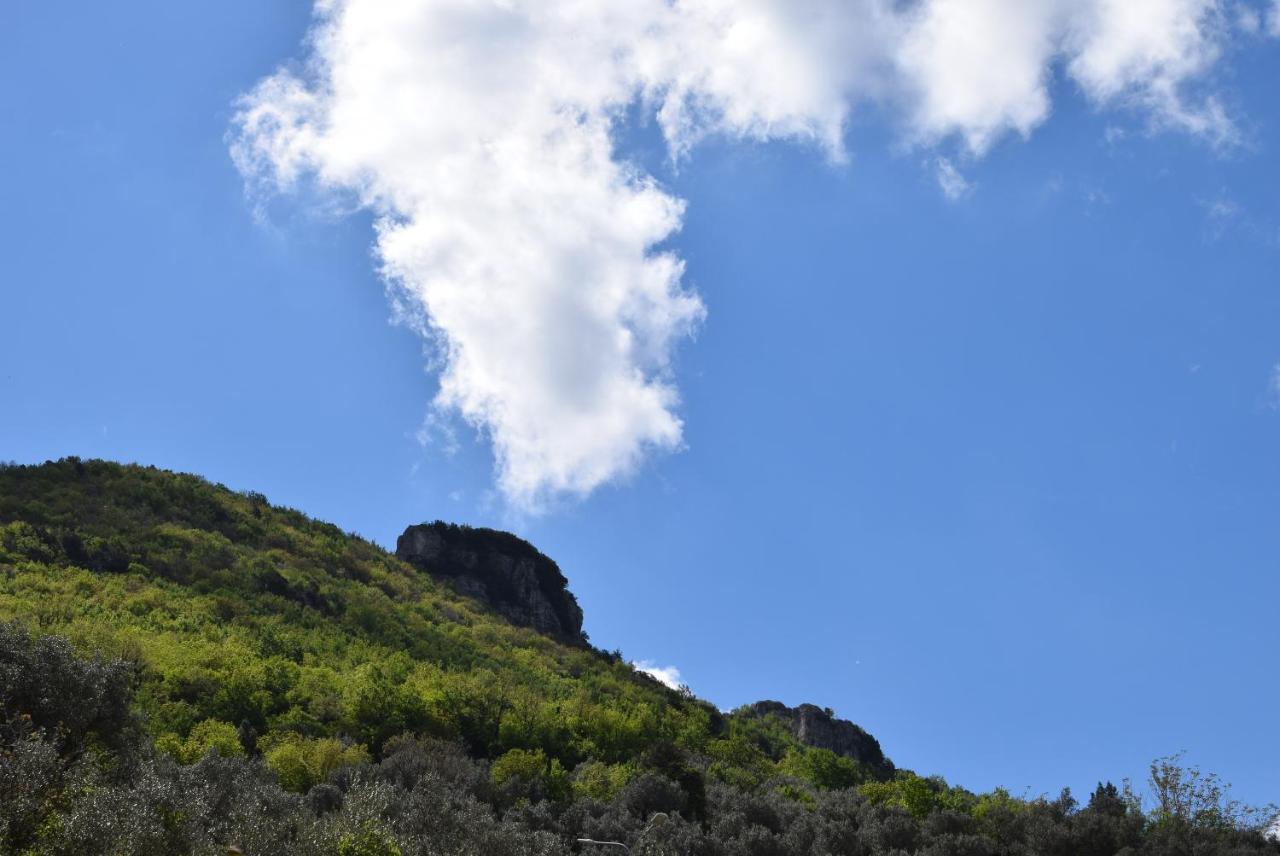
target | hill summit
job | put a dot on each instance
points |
(819, 728)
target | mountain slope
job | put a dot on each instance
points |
(243, 613)
(242, 674)
(246, 613)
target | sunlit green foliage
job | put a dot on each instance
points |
(532, 768)
(368, 840)
(211, 735)
(301, 762)
(599, 781)
(822, 768)
(258, 618)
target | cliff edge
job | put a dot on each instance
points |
(819, 728)
(507, 573)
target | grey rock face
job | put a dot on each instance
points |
(498, 569)
(816, 727)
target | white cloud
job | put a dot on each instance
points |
(1145, 52)
(668, 675)
(978, 68)
(479, 133)
(533, 259)
(953, 184)
(1273, 24)
(769, 69)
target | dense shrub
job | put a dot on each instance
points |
(221, 738)
(76, 702)
(302, 762)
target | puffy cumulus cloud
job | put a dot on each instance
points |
(480, 134)
(766, 69)
(668, 675)
(978, 68)
(513, 237)
(1146, 51)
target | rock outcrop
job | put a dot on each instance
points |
(498, 569)
(818, 727)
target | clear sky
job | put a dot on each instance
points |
(962, 416)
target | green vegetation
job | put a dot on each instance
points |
(188, 667)
(256, 617)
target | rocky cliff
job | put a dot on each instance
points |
(498, 569)
(818, 727)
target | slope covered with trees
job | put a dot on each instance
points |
(184, 668)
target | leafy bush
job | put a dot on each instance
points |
(211, 735)
(822, 768)
(530, 774)
(78, 703)
(599, 781)
(302, 762)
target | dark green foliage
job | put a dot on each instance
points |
(75, 702)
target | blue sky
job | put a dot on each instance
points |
(995, 476)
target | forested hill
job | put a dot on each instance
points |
(185, 668)
(257, 616)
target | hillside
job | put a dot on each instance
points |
(253, 615)
(245, 660)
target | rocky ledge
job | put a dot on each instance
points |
(818, 727)
(497, 568)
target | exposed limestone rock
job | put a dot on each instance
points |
(498, 569)
(816, 727)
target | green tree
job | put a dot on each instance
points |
(301, 762)
(532, 769)
(211, 735)
(1187, 797)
